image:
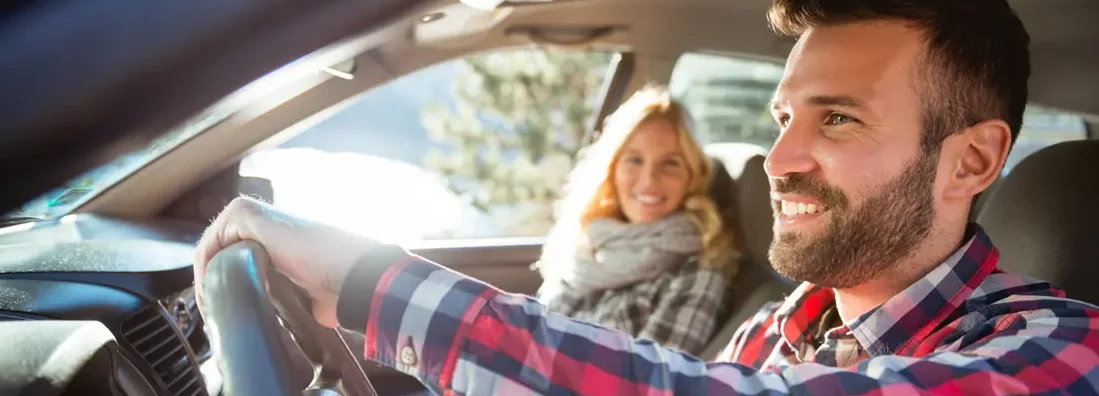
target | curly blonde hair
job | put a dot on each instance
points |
(590, 191)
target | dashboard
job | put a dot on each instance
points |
(132, 278)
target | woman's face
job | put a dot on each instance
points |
(651, 173)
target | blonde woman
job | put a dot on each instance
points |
(638, 245)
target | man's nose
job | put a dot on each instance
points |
(792, 152)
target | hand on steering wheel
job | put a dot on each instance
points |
(314, 256)
(244, 302)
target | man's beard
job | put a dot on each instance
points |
(860, 244)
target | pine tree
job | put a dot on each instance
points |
(513, 131)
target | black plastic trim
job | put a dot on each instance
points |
(614, 90)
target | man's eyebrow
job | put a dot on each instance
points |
(826, 100)
(842, 101)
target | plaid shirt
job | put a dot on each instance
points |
(965, 328)
(676, 309)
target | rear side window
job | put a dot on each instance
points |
(1044, 127)
(729, 98)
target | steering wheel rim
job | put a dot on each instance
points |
(243, 303)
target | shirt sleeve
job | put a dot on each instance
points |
(460, 336)
(559, 297)
(684, 317)
(358, 288)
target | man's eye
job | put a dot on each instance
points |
(838, 119)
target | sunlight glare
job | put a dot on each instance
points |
(384, 199)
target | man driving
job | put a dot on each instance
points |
(894, 115)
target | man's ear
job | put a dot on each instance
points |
(980, 154)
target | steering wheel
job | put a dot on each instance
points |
(244, 303)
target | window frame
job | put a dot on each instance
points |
(614, 91)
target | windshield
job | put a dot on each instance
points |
(268, 90)
(62, 200)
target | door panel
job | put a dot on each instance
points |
(505, 266)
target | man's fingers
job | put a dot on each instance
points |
(325, 313)
(203, 254)
(221, 233)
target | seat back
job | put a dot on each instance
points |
(1041, 219)
(982, 199)
(741, 191)
(742, 194)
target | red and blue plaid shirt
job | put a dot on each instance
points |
(964, 328)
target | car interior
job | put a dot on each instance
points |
(192, 95)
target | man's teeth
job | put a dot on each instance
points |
(799, 208)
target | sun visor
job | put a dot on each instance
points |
(457, 25)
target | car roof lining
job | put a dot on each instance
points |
(658, 31)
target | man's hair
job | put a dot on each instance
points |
(975, 65)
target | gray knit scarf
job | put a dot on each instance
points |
(619, 254)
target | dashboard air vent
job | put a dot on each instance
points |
(151, 334)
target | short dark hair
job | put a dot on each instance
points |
(976, 63)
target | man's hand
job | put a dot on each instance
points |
(315, 256)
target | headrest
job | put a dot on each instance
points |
(745, 203)
(982, 198)
(1043, 218)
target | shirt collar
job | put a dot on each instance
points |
(909, 316)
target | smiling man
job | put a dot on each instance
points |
(894, 115)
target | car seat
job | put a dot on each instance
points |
(742, 194)
(1042, 222)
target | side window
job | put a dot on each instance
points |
(729, 98)
(1044, 127)
(471, 148)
